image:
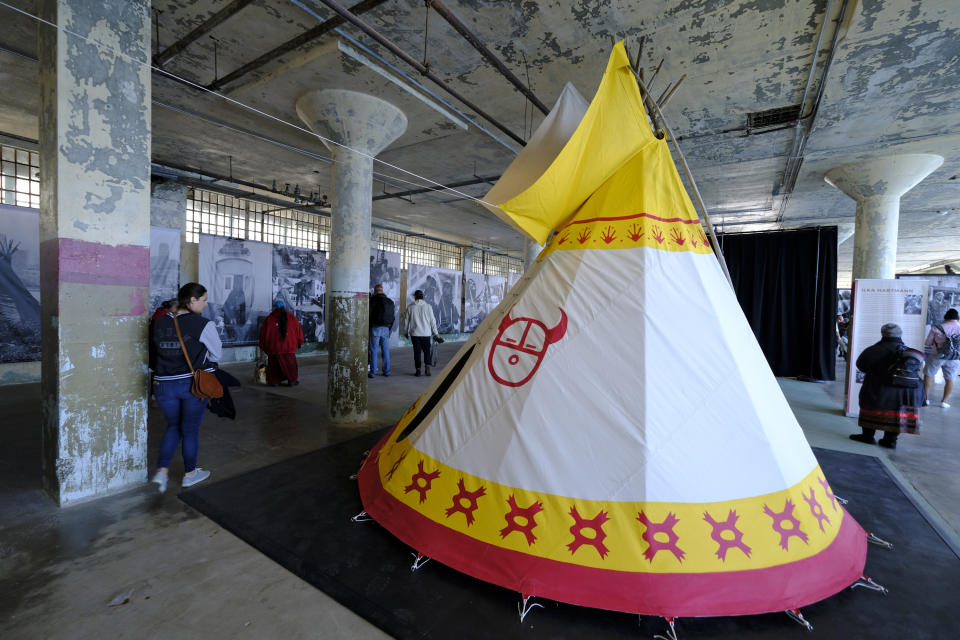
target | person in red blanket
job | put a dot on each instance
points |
(280, 337)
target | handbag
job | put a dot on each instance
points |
(205, 384)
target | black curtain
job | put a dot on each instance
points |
(786, 284)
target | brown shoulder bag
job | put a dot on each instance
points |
(205, 384)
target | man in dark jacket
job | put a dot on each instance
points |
(891, 408)
(381, 321)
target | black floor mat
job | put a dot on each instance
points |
(298, 513)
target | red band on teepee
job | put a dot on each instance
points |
(754, 591)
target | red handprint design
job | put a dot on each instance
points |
(657, 234)
(584, 235)
(634, 232)
(608, 234)
(677, 236)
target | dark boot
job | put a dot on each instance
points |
(427, 372)
(889, 440)
(859, 437)
(417, 373)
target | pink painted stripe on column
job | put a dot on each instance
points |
(82, 262)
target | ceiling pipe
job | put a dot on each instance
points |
(204, 28)
(804, 124)
(307, 36)
(397, 51)
(452, 185)
(488, 55)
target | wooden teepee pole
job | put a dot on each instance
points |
(656, 114)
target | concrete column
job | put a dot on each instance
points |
(877, 186)
(366, 125)
(531, 249)
(94, 244)
(469, 256)
(168, 208)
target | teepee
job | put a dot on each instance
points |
(612, 436)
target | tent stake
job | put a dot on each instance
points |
(526, 606)
(880, 542)
(798, 617)
(867, 583)
(671, 632)
(419, 561)
(363, 516)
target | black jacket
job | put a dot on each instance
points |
(223, 406)
(381, 311)
(877, 393)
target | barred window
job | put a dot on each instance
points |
(224, 215)
(432, 253)
(19, 177)
(500, 265)
(494, 264)
(392, 241)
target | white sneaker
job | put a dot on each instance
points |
(160, 479)
(944, 405)
(926, 403)
(199, 475)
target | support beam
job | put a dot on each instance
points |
(488, 55)
(451, 185)
(397, 51)
(201, 30)
(304, 38)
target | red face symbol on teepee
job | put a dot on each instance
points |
(519, 348)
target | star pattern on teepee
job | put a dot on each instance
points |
(594, 525)
(654, 545)
(518, 514)
(785, 523)
(829, 492)
(815, 509)
(465, 502)
(734, 537)
(421, 481)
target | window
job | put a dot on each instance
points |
(432, 253)
(495, 264)
(224, 215)
(19, 177)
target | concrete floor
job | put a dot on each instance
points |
(182, 575)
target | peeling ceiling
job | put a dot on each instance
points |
(873, 77)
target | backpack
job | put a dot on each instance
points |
(905, 370)
(950, 350)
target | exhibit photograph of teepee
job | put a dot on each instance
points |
(612, 436)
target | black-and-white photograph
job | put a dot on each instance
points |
(238, 278)
(843, 301)
(385, 270)
(512, 279)
(299, 279)
(441, 290)
(912, 305)
(19, 284)
(944, 293)
(482, 294)
(164, 265)
(941, 301)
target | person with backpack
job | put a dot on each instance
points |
(381, 321)
(943, 354)
(892, 390)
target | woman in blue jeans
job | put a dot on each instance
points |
(172, 379)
